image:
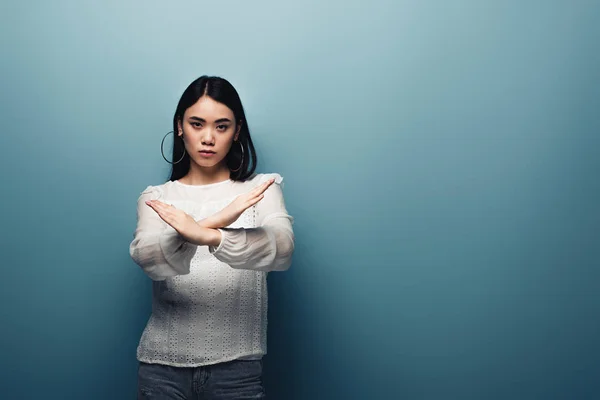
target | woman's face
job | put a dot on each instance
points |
(208, 129)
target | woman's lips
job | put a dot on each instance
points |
(207, 153)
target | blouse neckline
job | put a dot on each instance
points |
(205, 186)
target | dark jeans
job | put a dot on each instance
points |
(224, 381)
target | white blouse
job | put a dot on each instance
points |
(209, 304)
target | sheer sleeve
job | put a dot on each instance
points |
(269, 246)
(157, 248)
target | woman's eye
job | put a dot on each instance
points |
(222, 127)
(196, 124)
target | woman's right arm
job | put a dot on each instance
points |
(157, 248)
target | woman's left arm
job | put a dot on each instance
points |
(269, 246)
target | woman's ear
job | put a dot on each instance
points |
(238, 129)
(180, 129)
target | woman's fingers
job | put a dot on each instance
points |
(268, 183)
(262, 188)
(170, 214)
(164, 211)
(158, 209)
(256, 194)
(257, 199)
(254, 200)
(157, 205)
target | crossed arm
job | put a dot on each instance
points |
(205, 232)
(167, 251)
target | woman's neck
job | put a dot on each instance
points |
(198, 175)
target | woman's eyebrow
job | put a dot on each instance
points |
(216, 122)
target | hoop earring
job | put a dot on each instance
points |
(242, 162)
(163, 153)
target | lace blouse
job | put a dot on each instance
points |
(209, 304)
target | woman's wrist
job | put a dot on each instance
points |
(204, 236)
(215, 238)
(212, 222)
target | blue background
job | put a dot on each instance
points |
(441, 160)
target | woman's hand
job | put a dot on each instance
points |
(232, 212)
(185, 225)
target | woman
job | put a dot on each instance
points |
(207, 238)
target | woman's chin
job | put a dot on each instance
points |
(204, 163)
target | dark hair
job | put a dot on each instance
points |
(222, 91)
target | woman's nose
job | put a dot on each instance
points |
(208, 136)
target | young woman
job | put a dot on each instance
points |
(207, 238)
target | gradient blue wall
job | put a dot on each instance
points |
(441, 160)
